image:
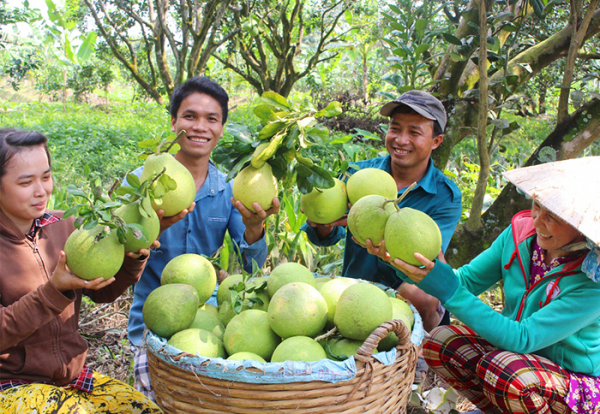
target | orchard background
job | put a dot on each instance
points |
(95, 77)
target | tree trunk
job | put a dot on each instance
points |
(569, 139)
(542, 100)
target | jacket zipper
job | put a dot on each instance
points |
(55, 321)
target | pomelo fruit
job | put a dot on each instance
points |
(287, 273)
(297, 309)
(255, 185)
(170, 308)
(175, 200)
(198, 342)
(361, 308)
(194, 270)
(250, 332)
(400, 310)
(210, 308)
(320, 281)
(340, 349)
(130, 213)
(209, 322)
(326, 205)
(90, 259)
(241, 356)
(298, 348)
(223, 292)
(409, 231)
(331, 292)
(367, 218)
(369, 181)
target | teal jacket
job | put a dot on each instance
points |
(557, 317)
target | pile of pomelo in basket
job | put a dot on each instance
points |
(292, 309)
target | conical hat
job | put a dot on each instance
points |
(569, 189)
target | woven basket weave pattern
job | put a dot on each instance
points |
(377, 388)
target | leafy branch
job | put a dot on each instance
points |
(154, 146)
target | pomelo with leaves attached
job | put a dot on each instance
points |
(326, 205)
(369, 181)
(95, 252)
(177, 178)
(255, 185)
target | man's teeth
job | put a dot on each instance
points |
(402, 151)
(546, 236)
(199, 139)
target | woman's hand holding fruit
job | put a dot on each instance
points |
(64, 280)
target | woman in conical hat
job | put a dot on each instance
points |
(541, 354)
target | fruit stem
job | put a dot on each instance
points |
(113, 188)
(181, 133)
(399, 199)
(326, 334)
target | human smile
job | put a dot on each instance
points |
(399, 151)
(544, 236)
(198, 139)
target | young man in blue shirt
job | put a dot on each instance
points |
(200, 107)
(417, 122)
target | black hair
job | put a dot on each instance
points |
(403, 109)
(13, 141)
(199, 84)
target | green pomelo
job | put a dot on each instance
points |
(320, 281)
(210, 308)
(174, 201)
(297, 309)
(327, 205)
(194, 270)
(361, 308)
(170, 308)
(409, 231)
(371, 181)
(331, 292)
(250, 332)
(241, 356)
(340, 349)
(90, 259)
(256, 160)
(255, 185)
(287, 273)
(209, 322)
(367, 218)
(400, 310)
(298, 348)
(223, 293)
(130, 213)
(198, 342)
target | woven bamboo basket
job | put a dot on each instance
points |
(377, 388)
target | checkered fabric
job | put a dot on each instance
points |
(84, 382)
(141, 372)
(496, 381)
(38, 223)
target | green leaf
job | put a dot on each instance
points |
(133, 180)
(274, 99)
(169, 183)
(420, 26)
(500, 123)
(271, 129)
(263, 112)
(320, 178)
(304, 186)
(290, 139)
(238, 166)
(421, 49)
(148, 143)
(158, 189)
(240, 131)
(395, 9)
(333, 109)
(450, 38)
(138, 231)
(174, 149)
(71, 189)
(124, 190)
(70, 211)
(538, 8)
(303, 171)
(147, 206)
(87, 47)
(456, 57)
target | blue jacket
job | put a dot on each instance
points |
(201, 232)
(557, 317)
(435, 195)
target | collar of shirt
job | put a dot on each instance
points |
(40, 222)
